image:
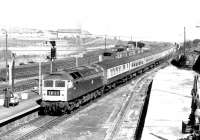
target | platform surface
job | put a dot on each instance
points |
(23, 107)
(170, 103)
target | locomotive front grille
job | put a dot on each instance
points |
(53, 92)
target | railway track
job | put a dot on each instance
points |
(137, 85)
(42, 123)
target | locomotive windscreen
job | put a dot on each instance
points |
(60, 84)
(48, 83)
(75, 75)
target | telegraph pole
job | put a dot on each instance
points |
(40, 79)
(6, 56)
(184, 43)
(53, 54)
(105, 42)
(12, 72)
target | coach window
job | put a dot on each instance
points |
(124, 66)
(119, 69)
(113, 71)
(133, 64)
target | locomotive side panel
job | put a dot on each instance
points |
(83, 87)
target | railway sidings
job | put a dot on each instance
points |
(40, 124)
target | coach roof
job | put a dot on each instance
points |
(106, 64)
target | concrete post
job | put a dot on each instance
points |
(40, 79)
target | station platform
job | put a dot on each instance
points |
(24, 106)
(169, 104)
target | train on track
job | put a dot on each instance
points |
(65, 90)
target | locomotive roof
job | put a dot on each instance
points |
(74, 73)
(114, 62)
(61, 75)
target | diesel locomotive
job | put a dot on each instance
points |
(62, 91)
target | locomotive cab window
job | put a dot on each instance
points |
(48, 83)
(75, 75)
(60, 84)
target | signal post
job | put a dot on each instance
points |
(53, 54)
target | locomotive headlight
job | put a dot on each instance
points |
(62, 94)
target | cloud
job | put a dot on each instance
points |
(153, 19)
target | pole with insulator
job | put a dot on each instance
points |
(53, 54)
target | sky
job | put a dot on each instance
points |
(158, 20)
